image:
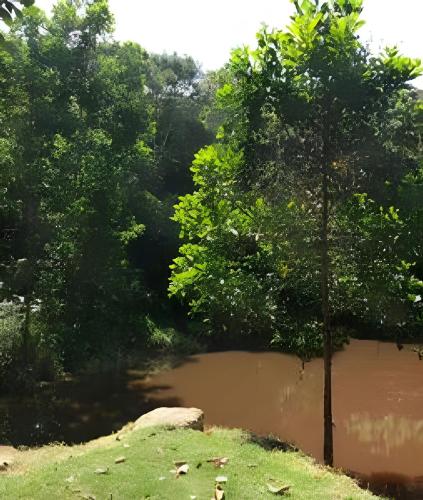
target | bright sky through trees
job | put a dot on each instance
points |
(209, 30)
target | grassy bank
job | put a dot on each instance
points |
(89, 471)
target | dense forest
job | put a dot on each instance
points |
(97, 139)
(122, 170)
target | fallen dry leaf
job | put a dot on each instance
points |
(178, 463)
(219, 494)
(182, 469)
(278, 490)
(102, 470)
(221, 479)
(120, 460)
(218, 461)
(70, 479)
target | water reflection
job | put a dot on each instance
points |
(385, 435)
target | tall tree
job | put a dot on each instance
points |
(314, 119)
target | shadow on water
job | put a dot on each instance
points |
(389, 485)
(81, 408)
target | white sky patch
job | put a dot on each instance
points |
(208, 30)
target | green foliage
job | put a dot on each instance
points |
(165, 338)
(95, 145)
(21, 366)
(8, 9)
(307, 103)
(94, 133)
(11, 322)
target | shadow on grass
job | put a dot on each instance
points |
(270, 443)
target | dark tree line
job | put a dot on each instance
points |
(96, 142)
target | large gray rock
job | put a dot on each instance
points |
(186, 418)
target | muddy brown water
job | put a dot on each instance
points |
(377, 405)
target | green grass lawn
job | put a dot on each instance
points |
(70, 473)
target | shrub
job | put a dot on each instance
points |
(11, 322)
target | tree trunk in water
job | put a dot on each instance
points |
(327, 334)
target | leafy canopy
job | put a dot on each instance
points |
(308, 102)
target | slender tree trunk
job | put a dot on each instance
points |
(327, 333)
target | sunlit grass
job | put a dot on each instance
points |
(149, 459)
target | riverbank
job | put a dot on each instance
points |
(147, 469)
(377, 430)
